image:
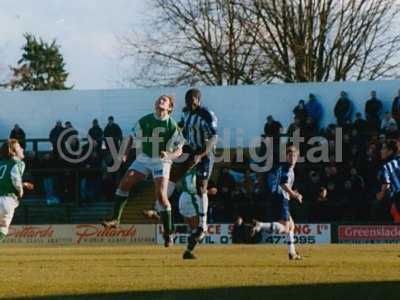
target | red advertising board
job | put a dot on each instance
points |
(369, 234)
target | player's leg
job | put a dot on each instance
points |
(193, 223)
(270, 227)
(130, 179)
(161, 186)
(161, 172)
(280, 213)
(7, 208)
(293, 255)
(178, 170)
(204, 170)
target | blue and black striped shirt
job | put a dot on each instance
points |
(390, 174)
(198, 127)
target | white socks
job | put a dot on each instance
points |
(203, 208)
(290, 243)
(273, 227)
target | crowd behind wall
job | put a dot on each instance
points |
(350, 185)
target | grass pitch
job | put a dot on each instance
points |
(221, 272)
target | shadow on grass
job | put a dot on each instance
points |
(340, 291)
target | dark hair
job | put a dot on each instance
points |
(111, 118)
(191, 94)
(391, 146)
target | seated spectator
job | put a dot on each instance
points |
(90, 179)
(389, 126)
(360, 125)
(226, 186)
(343, 109)
(18, 134)
(241, 232)
(49, 178)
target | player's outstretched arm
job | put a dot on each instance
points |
(28, 186)
(292, 194)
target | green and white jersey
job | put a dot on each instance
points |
(11, 171)
(189, 182)
(154, 135)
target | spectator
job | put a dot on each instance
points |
(314, 110)
(396, 108)
(373, 111)
(389, 126)
(241, 232)
(91, 178)
(360, 124)
(48, 163)
(226, 187)
(71, 138)
(343, 109)
(96, 133)
(296, 125)
(113, 131)
(272, 129)
(54, 135)
(300, 112)
(18, 134)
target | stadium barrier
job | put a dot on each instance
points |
(368, 234)
(126, 234)
(80, 234)
(222, 234)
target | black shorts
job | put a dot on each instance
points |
(205, 167)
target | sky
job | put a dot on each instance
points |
(88, 32)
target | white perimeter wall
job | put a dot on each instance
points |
(237, 107)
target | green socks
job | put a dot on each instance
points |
(166, 217)
(121, 198)
(2, 236)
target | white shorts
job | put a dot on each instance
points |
(189, 205)
(7, 207)
(154, 166)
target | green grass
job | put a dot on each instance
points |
(221, 272)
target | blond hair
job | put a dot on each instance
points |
(8, 149)
(171, 102)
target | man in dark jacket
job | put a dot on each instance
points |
(373, 111)
(300, 112)
(343, 109)
(314, 110)
(55, 134)
(114, 131)
(396, 108)
(18, 134)
(96, 133)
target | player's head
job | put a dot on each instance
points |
(165, 103)
(192, 99)
(11, 148)
(388, 149)
(292, 154)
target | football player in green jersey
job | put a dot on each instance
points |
(158, 142)
(11, 186)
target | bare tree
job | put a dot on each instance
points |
(322, 40)
(201, 41)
